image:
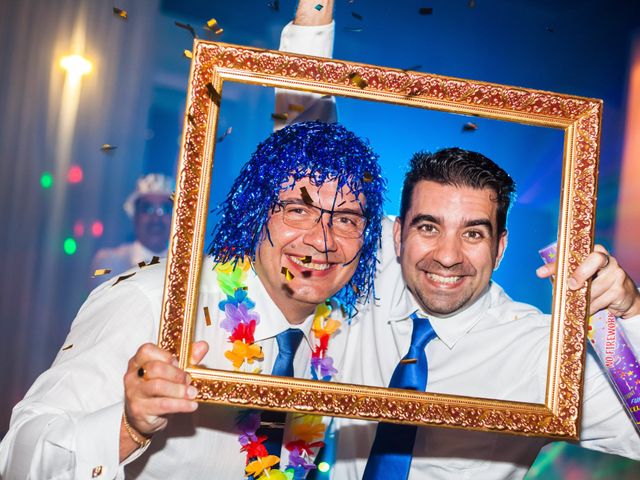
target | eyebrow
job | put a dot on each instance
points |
(476, 222)
(302, 202)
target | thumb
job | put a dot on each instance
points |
(198, 351)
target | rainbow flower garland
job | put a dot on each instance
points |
(240, 322)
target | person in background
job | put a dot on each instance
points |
(149, 206)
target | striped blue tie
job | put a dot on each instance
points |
(392, 450)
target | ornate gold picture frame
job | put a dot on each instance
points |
(214, 64)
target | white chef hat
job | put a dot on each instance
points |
(152, 183)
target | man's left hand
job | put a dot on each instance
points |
(611, 287)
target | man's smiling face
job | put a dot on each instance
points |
(320, 260)
(448, 245)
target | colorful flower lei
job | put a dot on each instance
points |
(240, 322)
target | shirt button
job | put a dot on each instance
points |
(97, 471)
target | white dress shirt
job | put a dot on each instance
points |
(496, 348)
(120, 259)
(68, 424)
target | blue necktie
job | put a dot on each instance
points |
(288, 342)
(392, 450)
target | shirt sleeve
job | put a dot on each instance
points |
(606, 426)
(68, 424)
(306, 40)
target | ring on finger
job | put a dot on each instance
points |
(607, 258)
(142, 372)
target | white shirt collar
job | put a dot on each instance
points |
(449, 329)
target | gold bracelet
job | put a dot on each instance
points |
(132, 433)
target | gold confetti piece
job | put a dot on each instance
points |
(192, 119)
(306, 198)
(287, 274)
(172, 197)
(123, 277)
(107, 148)
(306, 259)
(319, 7)
(367, 177)
(409, 360)
(469, 127)
(207, 317)
(154, 260)
(142, 264)
(120, 13)
(187, 27)
(211, 23)
(101, 271)
(355, 288)
(219, 31)
(425, 11)
(67, 347)
(225, 134)
(187, 54)
(296, 108)
(280, 116)
(357, 80)
(213, 94)
(356, 15)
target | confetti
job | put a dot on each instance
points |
(319, 7)
(357, 80)
(413, 67)
(155, 260)
(207, 317)
(187, 27)
(306, 259)
(409, 360)
(367, 177)
(101, 271)
(343, 202)
(355, 288)
(123, 277)
(225, 134)
(280, 116)
(172, 197)
(108, 148)
(192, 119)
(142, 264)
(120, 13)
(67, 347)
(275, 5)
(425, 11)
(469, 127)
(187, 54)
(353, 29)
(306, 274)
(213, 94)
(212, 24)
(296, 107)
(287, 274)
(306, 198)
(356, 15)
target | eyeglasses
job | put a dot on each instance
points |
(160, 210)
(305, 217)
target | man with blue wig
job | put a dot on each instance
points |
(300, 227)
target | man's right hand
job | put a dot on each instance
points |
(161, 390)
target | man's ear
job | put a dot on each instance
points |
(397, 236)
(502, 247)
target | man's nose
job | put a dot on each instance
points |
(321, 236)
(448, 251)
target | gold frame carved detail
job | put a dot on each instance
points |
(580, 118)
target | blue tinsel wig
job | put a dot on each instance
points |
(322, 152)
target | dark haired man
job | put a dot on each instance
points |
(450, 236)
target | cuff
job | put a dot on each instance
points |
(308, 40)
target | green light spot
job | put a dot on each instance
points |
(70, 246)
(46, 180)
(324, 467)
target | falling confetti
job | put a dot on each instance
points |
(287, 274)
(192, 119)
(367, 177)
(296, 107)
(101, 271)
(356, 15)
(120, 13)
(172, 197)
(409, 360)
(279, 116)
(318, 7)
(275, 5)
(67, 347)
(212, 24)
(187, 54)
(306, 259)
(425, 11)
(207, 316)
(413, 67)
(306, 198)
(142, 264)
(225, 134)
(108, 148)
(122, 278)
(154, 260)
(213, 94)
(187, 27)
(357, 80)
(469, 127)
